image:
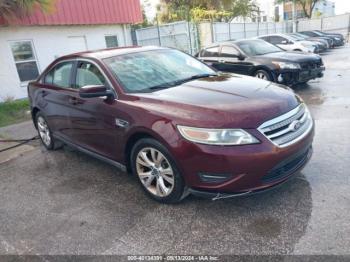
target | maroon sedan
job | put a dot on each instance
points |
(179, 126)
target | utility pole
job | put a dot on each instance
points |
(158, 31)
(294, 15)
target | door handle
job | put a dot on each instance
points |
(75, 101)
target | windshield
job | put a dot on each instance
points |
(257, 47)
(317, 33)
(299, 36)
(156, 69)
(294, 37)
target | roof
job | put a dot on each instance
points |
(110, 52)
(85, 12)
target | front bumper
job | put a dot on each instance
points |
(240, 170)
(302, 158)
(293, 77)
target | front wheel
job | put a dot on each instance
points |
(157, 172)
(262, 74)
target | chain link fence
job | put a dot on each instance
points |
(191, 37)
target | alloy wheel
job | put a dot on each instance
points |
(155, 172)
(44, 131)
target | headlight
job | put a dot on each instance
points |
(217, 136)
(337, 38)
(284, 65)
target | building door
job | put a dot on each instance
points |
(76, 44)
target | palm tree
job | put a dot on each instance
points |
(12, 9)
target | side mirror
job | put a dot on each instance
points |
(241, 57)
(95, 91)
(284, 42)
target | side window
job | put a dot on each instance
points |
(88, 74)
(276, 40)
(265, 38)
(60, 75)
(210, 52)
(229, 51)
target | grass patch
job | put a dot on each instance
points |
(12, 112)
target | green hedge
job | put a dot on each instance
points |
(12, 112)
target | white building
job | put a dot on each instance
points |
(324, 9)
(32, 43)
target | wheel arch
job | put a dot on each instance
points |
(131, 141)
(34, 112)
(265, 68)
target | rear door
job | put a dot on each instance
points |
(55, 92)
(210, 56)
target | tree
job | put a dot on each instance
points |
(12, 9)
(307, 5)
(214, 10)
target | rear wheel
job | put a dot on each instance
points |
(157, 172)
(262, 74)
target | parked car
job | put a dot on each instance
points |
(179, 126)
(287, 43)
(321, 45)
(263, 60)
(336, 39)
(327, 42)
(340, 40)
(340, 36)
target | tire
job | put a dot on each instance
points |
(262, 74)
(45, 134)
(148, 159)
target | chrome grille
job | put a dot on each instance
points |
(288, 128)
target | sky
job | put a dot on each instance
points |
(341, 7)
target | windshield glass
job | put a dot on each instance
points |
(317, 33)
(257, 47)
(299, 36)
(294, 37)
(156, 69)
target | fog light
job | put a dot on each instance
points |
(280, 78)
(214, 177)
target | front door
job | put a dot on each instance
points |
(231, 61)
(92, 120)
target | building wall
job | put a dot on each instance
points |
(321, 9)
(50, 42)
(324, 9)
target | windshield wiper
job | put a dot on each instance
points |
(181, 81)
(194, 77)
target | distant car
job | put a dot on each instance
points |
(176, 124)
(321, 45)
(338, 41)
(341, 36)
(263, 60)
(288, 43)
(327, 42)
(341, 42)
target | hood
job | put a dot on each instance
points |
(295, 57)
(223, 101)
